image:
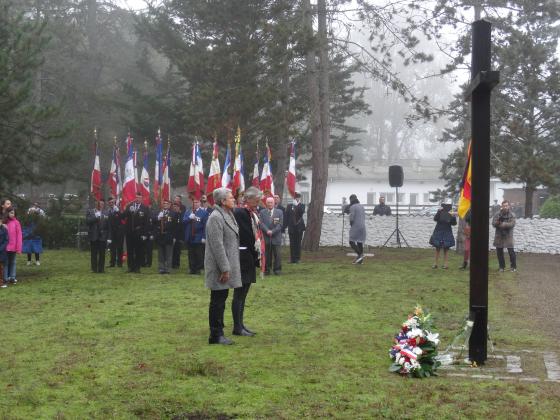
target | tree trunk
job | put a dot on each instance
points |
(529, 192)
(320, 131)
(284, 133)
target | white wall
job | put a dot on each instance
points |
(530, 235)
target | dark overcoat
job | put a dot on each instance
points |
(99, 228)
(504, 222)
(249, 256)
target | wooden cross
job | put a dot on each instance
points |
(483, 81)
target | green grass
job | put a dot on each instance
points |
(79, 345)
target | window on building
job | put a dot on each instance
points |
(371, 198)
(389, 197)
(401, 197)
(426, 198)
(413, 199)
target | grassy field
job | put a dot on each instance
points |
(116, 345)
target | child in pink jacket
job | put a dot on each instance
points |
(15, 239)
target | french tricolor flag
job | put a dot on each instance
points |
(214, 177)
(291, 176)
(267, 184)
(226, 174)
(96, 176)
(129, 184)
(145, 179)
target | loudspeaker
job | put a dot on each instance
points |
(396, 176)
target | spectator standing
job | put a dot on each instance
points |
(3, 253)
(272, 220)
(99, 234)
(221, 261)
(166, 232)
(467, 245)
(14, 246)
(442, 237)
(32, 241)
(382, 209)
(504, 222)
(357, 228)
(195, 236)
(296, 226)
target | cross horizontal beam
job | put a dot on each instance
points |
(484, 81)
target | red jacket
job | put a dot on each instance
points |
(14, 236)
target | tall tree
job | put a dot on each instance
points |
(526, 113)
(22, 118)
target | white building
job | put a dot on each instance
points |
(369, 182)
(372, 181)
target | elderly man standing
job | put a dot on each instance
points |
(271, 226)
(249, 254)
(221, 261)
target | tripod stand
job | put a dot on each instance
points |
(397, 230)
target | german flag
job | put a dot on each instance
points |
(466, 187)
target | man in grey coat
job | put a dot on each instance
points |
(504, 222)
(221, 261)
(357, 227)
(272, 220)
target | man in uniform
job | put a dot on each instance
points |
(296, 227)
(136, 215)
(117, 234)
(195, 236)
(99, 234)
(166, 221)
(179, 235)
(271, 226)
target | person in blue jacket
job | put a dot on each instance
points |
(3, 254)
(195, 235)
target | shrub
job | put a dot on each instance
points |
(551, 208)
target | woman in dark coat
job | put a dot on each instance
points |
(442, 238)
(249, 256)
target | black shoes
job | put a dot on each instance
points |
(220, 340)
(243, 332)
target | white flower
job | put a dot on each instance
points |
(412, 322)
(414, 364)
(415, 332)
(433, 337)
(417, 350)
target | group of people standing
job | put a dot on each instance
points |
(234, 252)
(229, 241)
(442, 238)
(140, 228)
(16, 240)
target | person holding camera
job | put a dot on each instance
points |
(504, 222)
(442, 237)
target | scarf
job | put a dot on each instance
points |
(259, 239)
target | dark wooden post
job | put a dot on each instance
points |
(482, 82)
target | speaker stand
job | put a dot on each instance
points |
(397, 231)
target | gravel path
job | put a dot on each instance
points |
(539, 285)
